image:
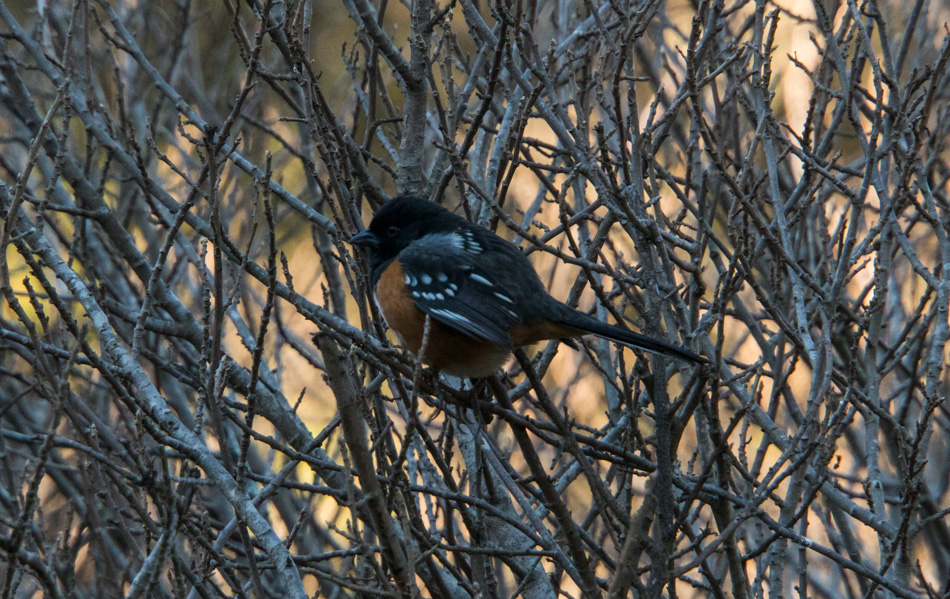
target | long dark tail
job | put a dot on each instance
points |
(588, 324)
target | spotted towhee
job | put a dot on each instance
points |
(483, 296)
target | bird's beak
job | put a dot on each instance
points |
(365, 238)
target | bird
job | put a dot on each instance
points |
(480, 293)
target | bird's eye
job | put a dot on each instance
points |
(391, 231)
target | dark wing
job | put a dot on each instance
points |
(444, 280)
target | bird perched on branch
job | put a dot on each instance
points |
(482, 295)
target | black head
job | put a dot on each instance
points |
(398, 223)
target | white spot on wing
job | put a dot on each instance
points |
(453, 316)
(472, 246)
(480, 279)
(442, 277)
(457, 240)
(426, 279)
(504, 297)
